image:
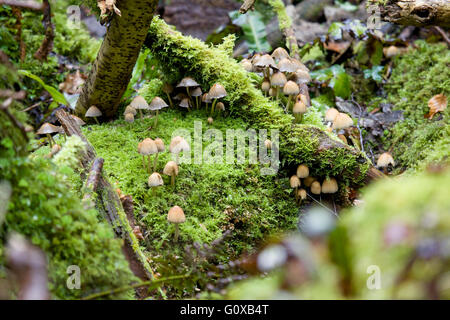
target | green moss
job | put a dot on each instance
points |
(417, 76)
(284, 20)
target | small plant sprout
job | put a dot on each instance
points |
(129, 117)
(217, 91)
(185, 103)
(140, 104)
(299, 110)
(178, 145)
(290, 89)
(188, 83)
(155, 181)
(210, 120)
(171, 169)
(302, 171)
(147, 147)
(279, 54)
(294, 181)
(329, 186)
(331, 115)
(278, 80)
(316, 188)
(47, 129)
(156, 105)
(385, 160)
(342, 121)
(161, 147)
(197, 93)
(176, 216)
(93, 112)
(168, 89)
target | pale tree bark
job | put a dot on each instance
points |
(114, 64)
(418, 13)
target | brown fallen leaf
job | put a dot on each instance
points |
(436, 104)
(73, 83)
(338, 47)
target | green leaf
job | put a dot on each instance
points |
(56, 95)
(375, 73)
(341, 82)
(254, 30)
(335, 30)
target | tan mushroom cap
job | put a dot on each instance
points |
(385, 159)
(329, 186)
(48, 128)
(308, 181)
(139, 103)
(206, 98)
(272, 92)
(302, 171)
(291, 88)
(268, 144)
(287, 65)
(176, 215)
(278, 79)
(147, 147)
(265, 61)
(280, 53)
(342, 121)
(179, 145)
(299, 108)
(155, 180)
(303, 98)
(265, 86)
(171, 168)
(185, 103)
(167, 88)
(210, 120)
(331, 114)
(129, 117)
(197, 92)
(294, 181)
(160, 144)
(315, 187)
(130, 109)
(187, 82)
(217, 91)
(301, 193)
(301, 76)
(247, 65)
(220, 106)
(157, 104)
(78, 121)
(180, 96)
(93, 112)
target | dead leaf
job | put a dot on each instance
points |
(73, 83)
(338, 47)
(436, 104)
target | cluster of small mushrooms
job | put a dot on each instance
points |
(302, 178)
(284, 75)
(191, 97)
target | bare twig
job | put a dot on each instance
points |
(247, 5)
(47, 44)
(32, 5)
(443, 34)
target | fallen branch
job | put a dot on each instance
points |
(32, 5)
(93, 178)
(247, 5)
(443, 34)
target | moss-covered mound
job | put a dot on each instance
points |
(416, 77)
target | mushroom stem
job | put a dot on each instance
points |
(96, 120)
(288, 105)
(189, 95)
(155, 162)
(153, 191)
(172, 179)
(213, 106)
(170, 100)
(141, 114)
(50, 140)
(298, 117)
(177, 232)
(156, 119)
(278, 93)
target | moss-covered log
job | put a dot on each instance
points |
(416, 12)
(309, 144)
(112, 69)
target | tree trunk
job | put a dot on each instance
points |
(418, 13)
(120, 49)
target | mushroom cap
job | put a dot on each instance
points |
(287, 65)
(342, 121)
(48, 128)
(265, 61)
(331, 114)
(247, 65)
(329, 186)
(187, 82)
(55, 149)
(180, 96)
(139, 103)
(301, 76)
(167, 88)
(303, 98)
(147, 146)
(385, 159)
(272, 92)
(294, 181)
(308, 181)
(155, 180)
(185, 103)
(315, 187)
(179, 146)
(268, 144)
(278, 79)
(176, 215)
(93, 111)
(78, 121)
(175, 140)
(302, 171)
(197, 92)
(299, 108)
(160, 144)
(130, 109)
(291, 88)
(280, 53)
(210, 120)
(220, 106)
(299, 64)
(217, 91)
(265, 86)
(129, 117)
(171, 168)
(301, 193)
(157, 104)
(206, 98)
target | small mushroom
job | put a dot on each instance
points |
(93, 112)
(279, 54)
(290, 89)
(294, 181)
(178, 145)
(78, 121)
(308, 181)
(129, 117)
(140, 104)
(185, 103)
(220, 107)
(217, 91)
(287, 65)
(155, 181)
(316, 188)
(168, 89)
(210, 120)
(265, 62)
(302, 171)
(171, 169)
(156, 105)
(299, 110)
(301, 194)
(206, 99)
(130, 109)
(197, 93)
(187, 83)
(247, 65)
(268, 144)
(47, 129)
(265, 86)
(342, 121)
(329, 186)
(331, 114)
(55, 149)
(147, 147)
(301, 77)
(176, 216)
(385, 160)
(278, 80)
(161, 147)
